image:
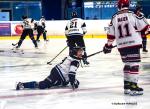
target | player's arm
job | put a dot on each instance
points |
(67, 28)
(32, 20)
(83, 26)
(67, 32)
(22, 24)
(72, 74)
(35, 25)
(147, 31)
(110, 39)
(43, 24)
(142, 24)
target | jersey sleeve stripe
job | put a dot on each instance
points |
(72, 73)
(73, 69)
(60, 73)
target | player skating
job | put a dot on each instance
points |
(28, 26)
(124, 27)
(138, 12)
(61, 75)
(41, 29)
(74, 31)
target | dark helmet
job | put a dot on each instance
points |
(138, 8)
(24, 17)
(123, 4)
(74, 14)
(75, 50)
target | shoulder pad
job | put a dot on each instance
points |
(75, 63)
(139, 17)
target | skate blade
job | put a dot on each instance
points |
(136, 93)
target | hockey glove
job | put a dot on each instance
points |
(107, 48)
(75, 84)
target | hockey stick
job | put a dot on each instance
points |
(98, 52)
(56, 56)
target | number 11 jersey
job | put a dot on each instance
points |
(125, 27)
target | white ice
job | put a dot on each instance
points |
(101, 83)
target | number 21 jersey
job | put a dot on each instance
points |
(75, 26)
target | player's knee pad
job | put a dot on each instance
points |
(134, 66)
(44, 84)
(126, 68)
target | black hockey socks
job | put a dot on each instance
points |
(30, 85)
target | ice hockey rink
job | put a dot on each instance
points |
(101, 83)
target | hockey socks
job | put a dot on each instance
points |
(131, 73)
(29, 85)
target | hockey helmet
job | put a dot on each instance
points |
(123, 4)
(24, 17)
(74, 14)
(75, 50)
(138, 8)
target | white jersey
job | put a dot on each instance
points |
(125, 27)
(75, 26)
(143, 33)
(42, 22)
(68, 66)
(28, 23)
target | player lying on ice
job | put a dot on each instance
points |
(125, 27)
(61, 75)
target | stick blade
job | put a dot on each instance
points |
(49, 63)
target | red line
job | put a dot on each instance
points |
(60, 92)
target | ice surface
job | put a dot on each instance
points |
(101, 83)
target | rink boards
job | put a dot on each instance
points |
(10, 30)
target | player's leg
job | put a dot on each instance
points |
(54, 79)
(44, 34)
(27, 85)
(144, 42)
(38, 33)
(80, 42)
(32, 38)
(22, 37)
(71, 43)
(34, 85)
(134, 59)
(131, 58)
(126, 71)
(134, 74)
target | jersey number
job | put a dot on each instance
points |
(127, 31)
(73, 25)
